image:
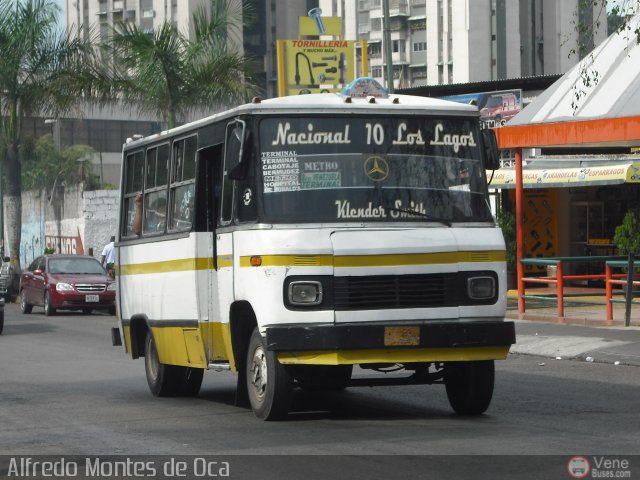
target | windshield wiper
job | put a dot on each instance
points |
(426, 216)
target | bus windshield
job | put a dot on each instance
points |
(387, 169)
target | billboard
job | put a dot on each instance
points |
(496, 108)
(315, 66)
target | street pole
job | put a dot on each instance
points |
(387, 45)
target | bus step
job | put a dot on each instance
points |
(218, 367)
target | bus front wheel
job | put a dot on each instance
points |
(269, 385)
(470, 386)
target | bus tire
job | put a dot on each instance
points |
(323, 377)
(192, 381)
(469, 386)
(24, 306)
(269, 385)
(164, 380)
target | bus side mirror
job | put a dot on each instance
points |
(234, 150)
(491, 154)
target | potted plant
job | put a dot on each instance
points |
(506, 220)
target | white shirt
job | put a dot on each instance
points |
(109, 253)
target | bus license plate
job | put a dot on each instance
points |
(401, 336)
(91, 298)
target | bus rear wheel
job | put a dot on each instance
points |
(164, 380)
(269, 385)
(470, 386)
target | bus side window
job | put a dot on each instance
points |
(233, 148)
(155, 195)
(183, 183)
(208, 188)
(133, 183)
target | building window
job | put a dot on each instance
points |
(398, 46)
(376, 24)
(375, 50)
(376, 71)
(419, 46)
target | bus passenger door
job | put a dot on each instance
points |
(209, 186)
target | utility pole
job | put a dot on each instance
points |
(387, 45)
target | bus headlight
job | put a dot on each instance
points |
(481, 288)
(305, 292)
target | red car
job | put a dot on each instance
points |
(69, 282)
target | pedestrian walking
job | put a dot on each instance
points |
(108, 256)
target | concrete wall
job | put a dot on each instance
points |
(70, 221)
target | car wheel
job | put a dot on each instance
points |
(269, 385)
(164, 380)
(48, 309)
(24, 306)
(87, 311)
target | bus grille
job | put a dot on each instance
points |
(396, 291)
(90, 287)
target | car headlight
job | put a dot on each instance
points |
(481, 288)
(111, 287)
(305, 292)
(64, 287)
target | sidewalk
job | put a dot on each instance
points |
(582, 333)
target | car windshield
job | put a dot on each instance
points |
(76, 266)
(391, 169)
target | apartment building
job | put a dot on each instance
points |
(435, 42)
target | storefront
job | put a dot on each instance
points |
(584, 199)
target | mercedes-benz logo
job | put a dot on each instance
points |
(376, 168)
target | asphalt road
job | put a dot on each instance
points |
(64, 390)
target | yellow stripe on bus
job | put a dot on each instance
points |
(412, 355)
(180, 265)
(343, 261)
(338, 261)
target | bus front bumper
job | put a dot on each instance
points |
(373, 343)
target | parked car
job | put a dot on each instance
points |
(66, 282)
(9, 281)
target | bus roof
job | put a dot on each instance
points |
(326, 103)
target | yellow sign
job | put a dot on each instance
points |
(600, 175)
(315, 66)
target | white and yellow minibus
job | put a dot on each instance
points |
(293, 239)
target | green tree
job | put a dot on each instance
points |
(627, 234)
(44, 71)
(43, 164)
(171, 73)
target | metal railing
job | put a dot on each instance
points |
(627, 280)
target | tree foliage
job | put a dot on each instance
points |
(171, 73)
(627, 234)
(43, 164)
(42, 71)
